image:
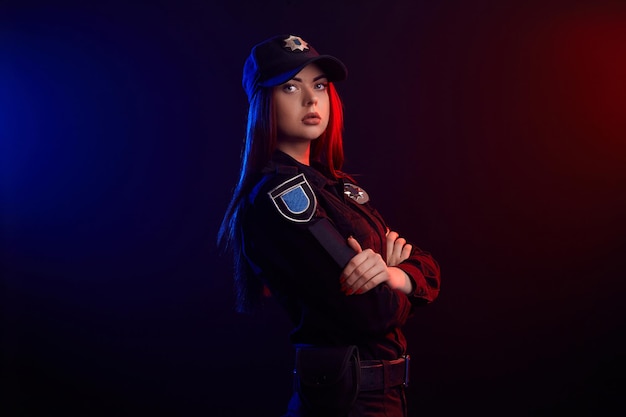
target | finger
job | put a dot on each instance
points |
(364, 272)
(354, 244)
(351, 266)
(356, 260)
(392, 236)
(391, 239)
(406, 251)
(358, 265)
(377, 276)
(357, 286)
(399, 244)
(397, 250)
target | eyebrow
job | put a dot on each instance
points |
(314, 79)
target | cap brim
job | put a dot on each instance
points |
(333, 68)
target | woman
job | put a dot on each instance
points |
(305, 232)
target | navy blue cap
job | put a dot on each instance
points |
(278, 59)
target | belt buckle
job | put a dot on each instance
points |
(407, 361)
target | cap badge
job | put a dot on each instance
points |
(295, 43)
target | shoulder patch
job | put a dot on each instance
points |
(295, 199)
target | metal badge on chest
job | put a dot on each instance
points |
(356, 193)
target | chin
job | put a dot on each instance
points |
(313, 135)
(312, 138)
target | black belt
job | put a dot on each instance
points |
(381, 374)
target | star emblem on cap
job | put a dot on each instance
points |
(296, 43)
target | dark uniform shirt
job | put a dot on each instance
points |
(304, 277)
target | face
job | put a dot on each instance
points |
(302, 105)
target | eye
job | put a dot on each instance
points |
(289, 88)
(321, 86)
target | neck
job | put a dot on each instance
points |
(300, 151)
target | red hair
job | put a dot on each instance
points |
(260, 144)
(328, 148)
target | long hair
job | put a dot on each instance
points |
(260, 144)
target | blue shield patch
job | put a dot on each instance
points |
(295, 199)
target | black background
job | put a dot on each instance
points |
(492, 134)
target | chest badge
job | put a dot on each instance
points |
(295, 199)
(356, 193)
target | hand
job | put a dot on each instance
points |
(397, 248)
(367, 269)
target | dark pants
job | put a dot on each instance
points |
(368, 404)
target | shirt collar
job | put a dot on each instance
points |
(316, 172)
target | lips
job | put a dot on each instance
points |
(312, 118)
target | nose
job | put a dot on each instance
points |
(309, 99)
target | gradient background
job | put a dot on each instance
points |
(492, 134)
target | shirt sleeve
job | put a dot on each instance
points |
(425, 275)
(297, 269)
(423, 271)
